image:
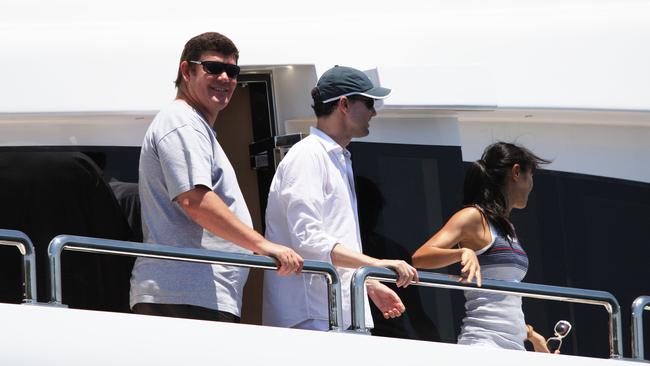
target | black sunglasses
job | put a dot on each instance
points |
(369, 102)
(217, 68)
(561, 329)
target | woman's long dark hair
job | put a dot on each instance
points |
(485, 180)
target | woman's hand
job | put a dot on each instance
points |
(470, 265)
(538, 341)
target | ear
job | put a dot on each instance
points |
(344, 104)
(515, 171)
(185, 70)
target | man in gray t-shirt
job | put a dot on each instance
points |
(190, 197)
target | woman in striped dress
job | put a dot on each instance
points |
(481, 237)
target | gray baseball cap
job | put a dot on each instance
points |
(342, 81)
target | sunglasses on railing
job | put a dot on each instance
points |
(561, 329)
(217, 68)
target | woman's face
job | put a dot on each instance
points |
(522, 185)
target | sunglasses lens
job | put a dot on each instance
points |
(216, 68)
(562, 328)
(368, 102)
(554, 344)
(213, 67)
(232, 70)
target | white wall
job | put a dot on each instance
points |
(604, 150)
(73, 55)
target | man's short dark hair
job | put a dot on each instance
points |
(209, 41)
(322, 109)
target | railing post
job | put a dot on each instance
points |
(358, 295)
(615, 328)
(26, 248)
(546, 292)
(333, 298)
(106, 246)
(54, 261)
(638, 306)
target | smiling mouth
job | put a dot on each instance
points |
(220, 90)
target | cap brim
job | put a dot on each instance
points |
(376, 93)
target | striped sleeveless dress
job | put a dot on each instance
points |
(496, 320)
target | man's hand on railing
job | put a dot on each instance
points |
(288, 260)
(386, 300)
(405, 272)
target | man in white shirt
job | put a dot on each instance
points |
(312, 207)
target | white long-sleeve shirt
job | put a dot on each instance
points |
(311, 207)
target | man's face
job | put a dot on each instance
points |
(361, 110)
(211, 92)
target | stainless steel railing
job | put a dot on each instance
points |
(640, 303)
(19, 240)
(105, 246)
(557, 293)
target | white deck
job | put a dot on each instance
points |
(37, 335)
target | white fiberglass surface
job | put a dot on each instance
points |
(74, 55)
(34, 335)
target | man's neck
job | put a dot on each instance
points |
(209, 117)
(333, 130)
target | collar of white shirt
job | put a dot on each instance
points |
(328, 143)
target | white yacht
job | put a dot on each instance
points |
(81, 81)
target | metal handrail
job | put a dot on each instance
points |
(503, 287)
(640, 303)
(21, 241)
(105, 246)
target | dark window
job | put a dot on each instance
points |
(48, 191)
(405, 193)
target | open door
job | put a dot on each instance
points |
(246, 130)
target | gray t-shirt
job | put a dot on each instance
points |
(180, 151)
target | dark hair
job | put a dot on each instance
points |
(486, 178)
(322, 109)
(209, 41)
